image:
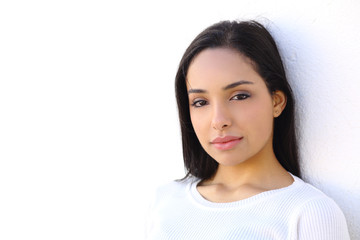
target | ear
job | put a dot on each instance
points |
(279, 102)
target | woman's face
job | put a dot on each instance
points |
(231, 108)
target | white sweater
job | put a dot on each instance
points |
(299, 211)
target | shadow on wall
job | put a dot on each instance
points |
(348, 200)
(325, 82)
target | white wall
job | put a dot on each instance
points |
(88, 123)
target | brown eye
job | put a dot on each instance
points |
(241, 96)
(199, 103)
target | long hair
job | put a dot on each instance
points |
(252, 40)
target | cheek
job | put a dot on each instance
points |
(199, 124)
(260, 118)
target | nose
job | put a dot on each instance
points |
(221, 118)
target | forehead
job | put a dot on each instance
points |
(220, 66)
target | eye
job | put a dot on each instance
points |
(199, 103)
(240, 96)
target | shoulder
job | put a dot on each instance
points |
(174, 185)
(312, 200)
(173, 189)
(318, 216)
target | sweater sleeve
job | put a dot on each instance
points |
(322, 219)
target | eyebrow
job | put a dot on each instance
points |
(235, 84)
(231, 85)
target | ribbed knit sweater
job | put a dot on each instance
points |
(299, 211)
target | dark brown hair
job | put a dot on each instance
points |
(252, 40)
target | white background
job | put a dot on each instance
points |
(88, 120)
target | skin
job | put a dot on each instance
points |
(229, 98)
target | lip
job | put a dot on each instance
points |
(226, 143)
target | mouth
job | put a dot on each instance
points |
(226, 143)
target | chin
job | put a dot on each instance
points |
(229, 162)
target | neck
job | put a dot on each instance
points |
(264, 172)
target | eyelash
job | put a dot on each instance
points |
(194, 104)
(241, 96)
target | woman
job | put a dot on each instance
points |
(238, 131)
